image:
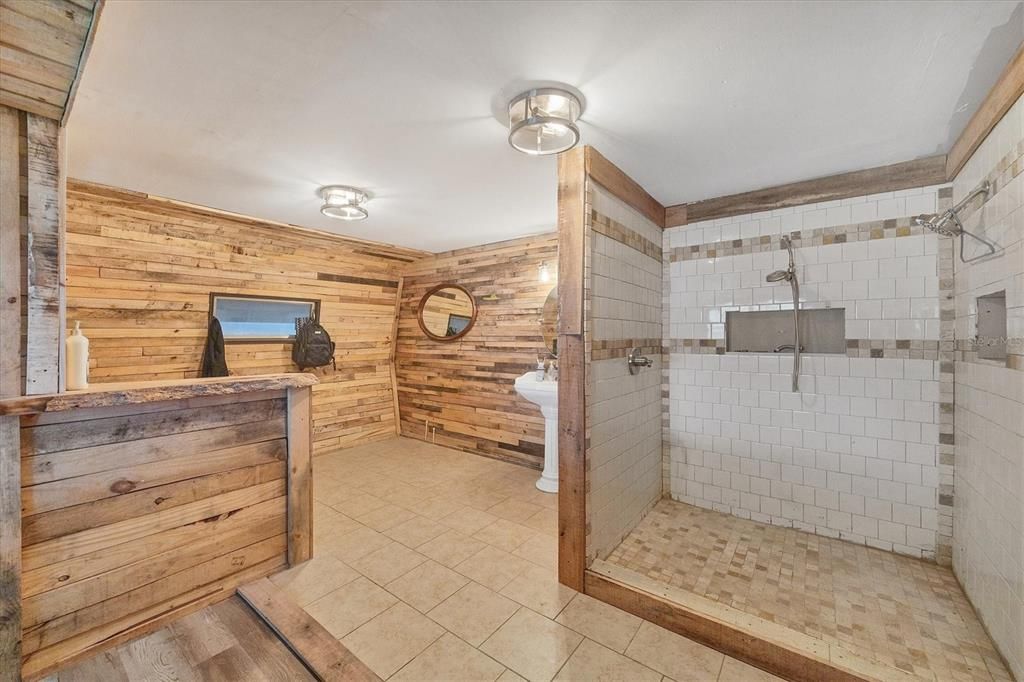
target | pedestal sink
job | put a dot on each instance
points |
(545, 395)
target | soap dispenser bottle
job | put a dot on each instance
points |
(541, 369)
(77, 360)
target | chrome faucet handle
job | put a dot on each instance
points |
(635, 361)
(786, 346)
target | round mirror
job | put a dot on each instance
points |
(549, 322)
(447, 312)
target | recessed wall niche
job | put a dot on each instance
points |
(991, 338)
(822, 330)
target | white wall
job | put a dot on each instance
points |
(988, 535)
(854, 454)
(624, 458)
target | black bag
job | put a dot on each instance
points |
(313, 346)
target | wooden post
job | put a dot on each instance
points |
(300, 475)
(572, 496)
(394, 357)
(45, 284)
(10, 385)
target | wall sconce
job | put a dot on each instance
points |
(544, 272)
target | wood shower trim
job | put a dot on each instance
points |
(572, 247)
(608, 175)
(1007, 90)
(906, 175)
(732, 640)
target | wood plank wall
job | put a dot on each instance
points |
(464, 388)
(140, 271)
(153, 508)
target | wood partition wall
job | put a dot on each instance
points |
(140, 271)
(462, 390)
(143, 502)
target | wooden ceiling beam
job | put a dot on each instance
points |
(917, 173)
(1007, 90)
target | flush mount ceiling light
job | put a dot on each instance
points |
(343, 202)
(543, 121)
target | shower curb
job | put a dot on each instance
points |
(801, 658)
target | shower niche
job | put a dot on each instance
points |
(771, 331)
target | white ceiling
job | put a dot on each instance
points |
(249, 106)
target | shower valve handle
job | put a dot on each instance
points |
(635, 361)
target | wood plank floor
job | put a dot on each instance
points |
(225, 641)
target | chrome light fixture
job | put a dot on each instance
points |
(543, 121)
(343, 202)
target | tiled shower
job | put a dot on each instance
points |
(908, 440)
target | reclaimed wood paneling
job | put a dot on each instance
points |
(45, 44)
(463, 389)
(136, 515)
(10, 385)
(140, 271)
(608, 175)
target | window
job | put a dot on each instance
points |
(260, 318)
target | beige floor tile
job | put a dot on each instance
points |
(511, 676)
(450, 659)
(591, 662)
(493, 568)
(392, 639)
(327, 522)
(327, 491)
(505, 535)
(483, 499)
(416, 531)
(514, 509)
(437, 508)
(451, 548)
(349, 606)
(387, 563)
(427, 585)
(545, 520)
(474, 613)
(315, 578)
(540, 591)
(540, 549)
(738, 671)
(408, 496)
(673, 655)
(358, 505)
(353, 545)
(468, 520)
(383, 518)
(532, 645)
(603, 623)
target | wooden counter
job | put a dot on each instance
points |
(142, 502)
(139, 392)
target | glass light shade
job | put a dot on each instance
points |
(343, 202)
(543, 121)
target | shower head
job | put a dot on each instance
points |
(936, 222)
(779, 276)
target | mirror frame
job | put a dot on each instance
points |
(423, 302)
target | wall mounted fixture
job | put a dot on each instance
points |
(543, 121)
(343, 202)
(544, 272)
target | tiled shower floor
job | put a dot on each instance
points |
(896, 610)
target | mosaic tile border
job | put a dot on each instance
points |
(619, 348)
(904, 349)
(823, 236)
(602, 224)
